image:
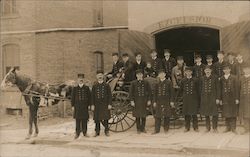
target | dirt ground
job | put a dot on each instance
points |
(56, 138)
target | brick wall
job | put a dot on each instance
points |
(61, 55)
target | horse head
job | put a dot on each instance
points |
(9, 79)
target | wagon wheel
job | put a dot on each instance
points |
(121, 114)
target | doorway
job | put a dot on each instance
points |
(189, 41)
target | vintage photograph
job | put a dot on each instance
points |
(108, 78)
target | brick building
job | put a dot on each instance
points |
(52, 41)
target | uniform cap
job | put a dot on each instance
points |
(80, 75)
(139, 71)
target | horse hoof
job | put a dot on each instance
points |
(28, 136)
(35, 135)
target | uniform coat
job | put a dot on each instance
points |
(233, 68)
(198, 70)
(101, 97)
(140, 93)
(156, 65)
(163, 95)
(81, 100)
(138, 66)
(229, 93)
(245, 96)
(116, 67)
(218, 67)
(128, 71)
(168, 66)
(209, 92)
(190, 90)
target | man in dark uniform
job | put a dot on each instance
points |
(140, 96)
(168, 63)
(229, 98)
(149, 71)
(239, 74)
(162, 101)
(209, 59)
(156, 63)
(232, 63)
(102, 100)
(239, 65)
(210, 98)
(245, 97)
(189, 86)
(117, 66)
(80, 101)
(128, 68)
(139, 63)
(219, 64)
(198, 68)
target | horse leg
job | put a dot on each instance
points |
(35, 121)
(30, 122)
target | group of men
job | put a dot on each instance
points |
(204, 88)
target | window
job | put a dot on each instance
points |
(8, 7)
(99, 64)
(11, 57)
(98, 13)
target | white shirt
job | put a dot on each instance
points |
(209, 64)
(154, 58)
(226, 76)
(198, 64)
(100, 82)
(167, 58)
(163, 79)
(138, 62)
(80, 85)
(189, 77)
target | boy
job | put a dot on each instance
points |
(140, 96)
(189, 86)
(80, 101)
(162, 101)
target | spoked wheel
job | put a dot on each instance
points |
(121, 114)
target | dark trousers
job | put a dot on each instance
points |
(214, 122)
(98, 125)
(188, 121)
(140, 123)
(158, 124)
(81, 125)
(246, 123)
(231, 123)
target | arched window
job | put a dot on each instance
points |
(99, 63)
(11, 57)
(8, 7)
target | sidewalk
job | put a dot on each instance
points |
(175, 141)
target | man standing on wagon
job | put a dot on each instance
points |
(140, 96)
(117, 66)
(80, 101)
(162, 101)
(102, 100)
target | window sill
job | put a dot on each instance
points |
(10, 16)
